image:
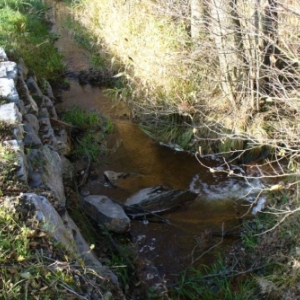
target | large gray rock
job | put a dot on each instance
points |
(46, 169)
(84, 250)
(34, 122)
(30, 104)
(157, 200)
(68, 171)
(47, 133)
(43, 113)
(56, 141)
(35, 170)
(47, 103)
(52, 174)
(50, 219)
(31, 139)
(104, 211)
(33, 86)
(64, 230)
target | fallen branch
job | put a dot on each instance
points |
(211, 248)
(62, 123)
(288, 213)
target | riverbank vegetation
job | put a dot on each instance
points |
(219, 77)
(32, 265)
(224, 78)
(24, 32)
(90, 129)
(178, 70)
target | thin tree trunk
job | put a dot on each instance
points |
(222, 29)
(196, 16)
(270, 35)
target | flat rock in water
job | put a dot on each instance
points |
(157, 199)
(112, 177)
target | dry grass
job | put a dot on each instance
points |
(155, 52)
(166, 73)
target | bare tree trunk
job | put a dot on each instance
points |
(270, 50)
(199, 19)
(245, 68)
(225, 33)
(196, 17)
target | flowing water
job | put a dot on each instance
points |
(194, 229)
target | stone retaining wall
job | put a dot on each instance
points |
(41, 143)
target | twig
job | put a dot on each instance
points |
(86, 173)
(231, 273)
(62, 123)
(72, 291)
(278, 223)
(288, 9)
(139, 212)
(214, 246)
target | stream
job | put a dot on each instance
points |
(193, 236)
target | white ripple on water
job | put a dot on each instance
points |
(231, 188)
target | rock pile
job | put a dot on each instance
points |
(41, 143)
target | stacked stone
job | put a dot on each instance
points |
(41, 151)
(30, 112)
(10, 110)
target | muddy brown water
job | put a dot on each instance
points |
(169, 247)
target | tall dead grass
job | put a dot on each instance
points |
(153, 45)
(168, 73)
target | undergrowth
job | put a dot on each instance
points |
(24, 32)
(214, 282)
(158, 79)
(90, 131)
(263, 264)
(271, 243)
(32, 265)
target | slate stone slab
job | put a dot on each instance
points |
(9, 113)
(104, 211)
(8, 69)
(8, 90)
(157, 200)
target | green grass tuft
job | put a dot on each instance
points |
(25, 32)
(92, 127)
(213, 282)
